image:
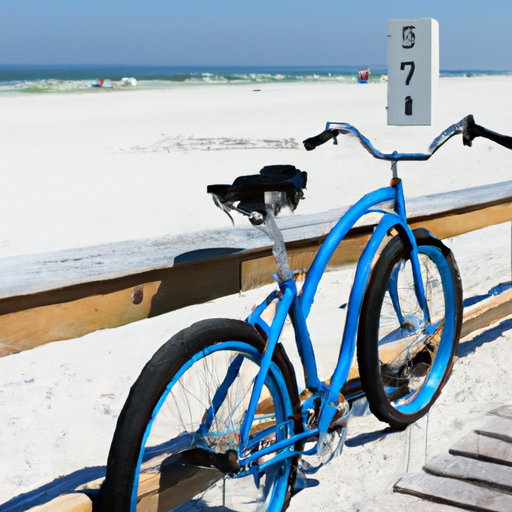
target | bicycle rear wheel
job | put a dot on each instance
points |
(176, 445)
(404, 358)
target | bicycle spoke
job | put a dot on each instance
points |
(205, 409)
(405, 350)
(409, 350)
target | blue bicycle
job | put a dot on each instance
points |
(216, 422)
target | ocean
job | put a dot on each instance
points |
(69, 78)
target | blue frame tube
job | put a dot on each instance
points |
(418, 282)
(279, 445)
(347, 349)
(334, 238)
(304, 346)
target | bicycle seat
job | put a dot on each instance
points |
(250, 190)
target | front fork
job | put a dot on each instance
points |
(389, 222)
(419, 288)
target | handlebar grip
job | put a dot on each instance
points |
(468, 134)
(318, 140)
(472, 130)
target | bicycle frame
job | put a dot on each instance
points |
(279, 428)
(298, 307)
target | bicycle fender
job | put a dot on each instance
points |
(423, 234)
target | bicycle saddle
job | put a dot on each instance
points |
(250, 190)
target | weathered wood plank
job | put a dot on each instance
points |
(31, 320)
(22, 275)
(258, 272)
(484, 448)
(505, 411)
(76, 502)
(73, 319)
(476, 471)
(453, 224)
(499, 428)
(454, 492)
(487, 312)
(29, 274)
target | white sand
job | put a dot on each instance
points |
(84, 169)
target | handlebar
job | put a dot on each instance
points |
(466, 126)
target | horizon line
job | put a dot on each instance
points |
(230, 66)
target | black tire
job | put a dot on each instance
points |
(397, 357)
(190, 361)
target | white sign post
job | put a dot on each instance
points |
(413, 70)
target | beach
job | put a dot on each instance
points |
(87, 168)
(84, 169)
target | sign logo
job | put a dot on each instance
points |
(408, 37)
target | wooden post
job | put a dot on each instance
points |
(413, 70)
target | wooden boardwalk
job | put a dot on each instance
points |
(476, 474)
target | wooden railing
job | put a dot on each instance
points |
(46, 298)
(59, 296)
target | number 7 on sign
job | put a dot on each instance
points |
(411, 71)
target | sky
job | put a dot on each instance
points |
(473, 34)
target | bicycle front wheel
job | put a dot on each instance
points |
(176, 445)
(405, 354)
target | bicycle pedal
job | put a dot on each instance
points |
(303, 481)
